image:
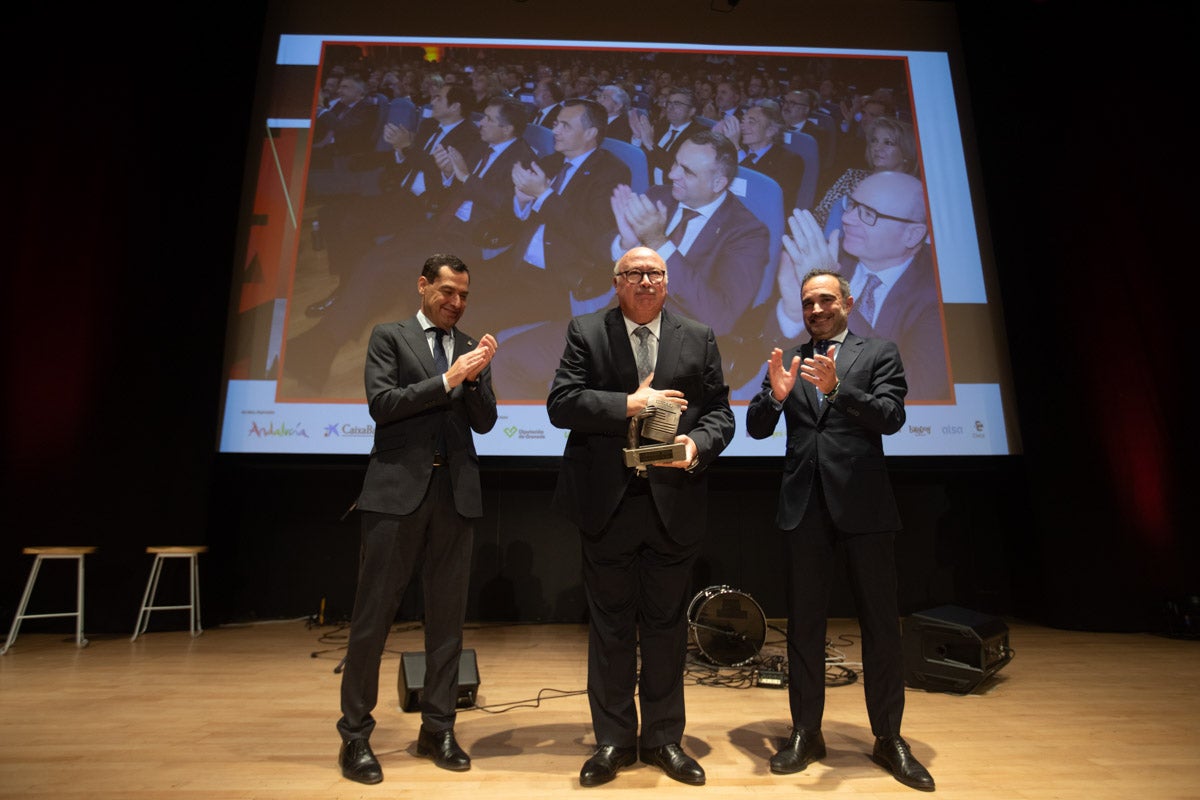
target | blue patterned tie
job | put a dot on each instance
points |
(821, 347)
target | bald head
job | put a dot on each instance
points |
(905, 193)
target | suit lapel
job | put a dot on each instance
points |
(670, 346)
(414, 336)
(621, 348)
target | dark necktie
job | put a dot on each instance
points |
(415, 169)
(868, 298)
(561, 178)
(483, 161)
(749, 160)
(670, 139)
(440, 362)
(679, 230)
(439, 350)
(432, 139)
(642, 354)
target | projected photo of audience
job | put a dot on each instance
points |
(536, 166)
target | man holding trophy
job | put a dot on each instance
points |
(642, 393)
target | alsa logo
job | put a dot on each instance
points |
(282, 430)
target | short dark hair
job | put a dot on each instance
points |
(816, 272)
(594, 115)
(511, 112)
(688, 93)
(458, 93)
(555, 88)
(727, 158)
(435, 262)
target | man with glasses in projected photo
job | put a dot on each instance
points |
(884, 251)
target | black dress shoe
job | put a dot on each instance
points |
(893, 754)
(802, 748)
(678, 765)
(321, 306)
(358, 763)
(442, 748)
(603, 765)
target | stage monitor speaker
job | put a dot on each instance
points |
(412, 679)
(951, 649)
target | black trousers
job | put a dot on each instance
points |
(438, 539)
(871, 567)
(637, 580)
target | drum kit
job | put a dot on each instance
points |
(728, 626)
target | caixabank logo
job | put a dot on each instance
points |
(281, 430)
(349, 430)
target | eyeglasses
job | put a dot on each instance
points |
(636, 275)
(869, 215)
(678, 104)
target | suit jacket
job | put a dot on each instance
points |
(785, 168)
(824, 143)
(548, 120)
(619, 128)
(843, 440)
(661, 158)
(576, 256)
(716, 281)
(491, 222)
(911, 316)
(354, 128)
(410, 406)
(464, 138)
(587, 397)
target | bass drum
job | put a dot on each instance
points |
(728, 627)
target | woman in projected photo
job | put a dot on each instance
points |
(891, 147)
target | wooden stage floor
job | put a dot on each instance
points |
(248, 712)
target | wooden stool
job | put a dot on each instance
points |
(193, 606)
(40, 554)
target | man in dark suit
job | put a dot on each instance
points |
(835, 494)
(796, 108)
(347, 128)
(415, 187)
(548, 94)
(428, 386)
(661, 141)
(476, 215)
(758, 137)
(717, 250)
(890, 267)
(616, 102)
(560, 260)
(641, 528)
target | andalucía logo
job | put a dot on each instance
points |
(282, 430)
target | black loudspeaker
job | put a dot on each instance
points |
(412, 679)
(951, 649)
